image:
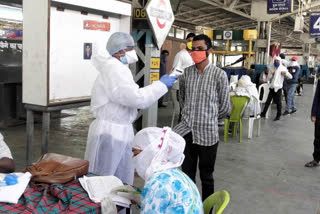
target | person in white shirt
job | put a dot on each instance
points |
(276, 76)
(183, 59)
(6, 160)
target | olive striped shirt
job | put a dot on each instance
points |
(204, 98)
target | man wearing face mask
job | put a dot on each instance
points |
(276, 76)
(204, 98)
(114, 103)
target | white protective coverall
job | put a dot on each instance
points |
(114, 103)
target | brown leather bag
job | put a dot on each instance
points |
(57, 169)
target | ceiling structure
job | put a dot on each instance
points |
(236, 14)
(13, 3)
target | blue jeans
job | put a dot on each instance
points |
(290, 98)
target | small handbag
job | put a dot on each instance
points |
(57, 169)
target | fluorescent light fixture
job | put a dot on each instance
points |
(10, 13)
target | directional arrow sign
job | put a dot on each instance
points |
(315, 24)
(160, 17)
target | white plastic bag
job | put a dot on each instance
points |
(108, 207)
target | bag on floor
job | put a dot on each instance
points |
(57, 169)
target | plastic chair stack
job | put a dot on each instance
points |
(238, 105)
(255, 117)
(217, 201)
(265, 87)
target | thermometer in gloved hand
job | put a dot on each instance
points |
(176, 72)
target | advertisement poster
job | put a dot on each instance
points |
(280, 6)
(10, 33)
(155, 63)
(315, 24)
(154, 76)
(94, 25)
(10, 52)
(87, 51)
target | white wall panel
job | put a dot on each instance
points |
(71, 76)
(35, 49)
(54, 68)
(112, 6)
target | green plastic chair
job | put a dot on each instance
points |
(217, 201)
(239, 104)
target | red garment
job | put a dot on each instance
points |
(275, 49)
(54, 198)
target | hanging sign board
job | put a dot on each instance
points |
(139, 20)
(155, 63)
(315, 24)
(139, 13)
(280, 6)
(94, 25)
(160, 17)
(154, 76)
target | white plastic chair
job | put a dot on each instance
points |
(233, 86)
(251, 120)
(265, 87)
(234, 78)
(315, 82)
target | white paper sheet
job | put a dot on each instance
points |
(11, 194)
(99, 187)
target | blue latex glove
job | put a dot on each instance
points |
(168, 80)
(11, 179)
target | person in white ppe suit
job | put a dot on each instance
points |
(114, 103)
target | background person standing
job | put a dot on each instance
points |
(163, 71)
(294, 70)
(315, 118)
(183, 59)
(276, 77)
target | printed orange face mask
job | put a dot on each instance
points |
(198, 56)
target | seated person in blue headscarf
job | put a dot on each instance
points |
(158, 154)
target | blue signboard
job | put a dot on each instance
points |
(280, 6)
(315, 24)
